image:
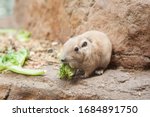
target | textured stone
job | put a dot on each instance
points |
(113, 84)
(4, 91)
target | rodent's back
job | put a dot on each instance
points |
(102, 46)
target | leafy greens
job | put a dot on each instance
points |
(66, 72)
(14, 61)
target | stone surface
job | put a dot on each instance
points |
(113, 84)
(126, 23)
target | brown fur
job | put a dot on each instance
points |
(95, 54)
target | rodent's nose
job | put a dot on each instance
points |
(62, 60)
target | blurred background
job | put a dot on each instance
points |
(6, 13)
(6, 8)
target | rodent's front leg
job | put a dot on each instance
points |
(99, 72)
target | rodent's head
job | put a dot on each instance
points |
(75, 50)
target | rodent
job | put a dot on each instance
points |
(89, 51)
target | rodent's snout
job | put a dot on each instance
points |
(63, 58)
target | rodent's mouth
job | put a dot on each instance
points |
(69, 61)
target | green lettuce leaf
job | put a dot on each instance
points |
(20, 70)
(66, 72)
(15, 58)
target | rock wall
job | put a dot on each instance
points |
(127, 23)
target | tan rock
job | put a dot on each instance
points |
(114, 84)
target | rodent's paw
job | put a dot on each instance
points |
(99, 72)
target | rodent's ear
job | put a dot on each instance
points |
(84, 44)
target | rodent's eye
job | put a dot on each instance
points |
(84, 44)
(76, 49)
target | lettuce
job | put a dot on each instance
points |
(20, 70)
(66, 72)
(15, 58)
(14, 61)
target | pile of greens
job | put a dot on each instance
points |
(66, 72)
(14, 60)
